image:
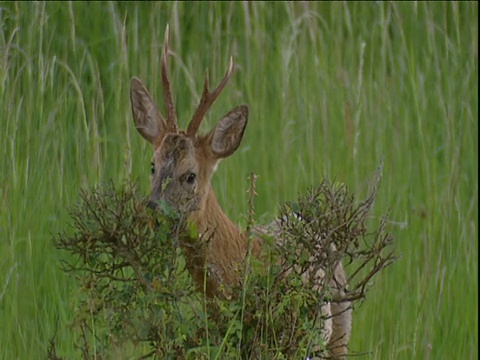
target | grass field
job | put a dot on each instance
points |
(334, 90)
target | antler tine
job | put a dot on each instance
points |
(207, 100)
(167, 93)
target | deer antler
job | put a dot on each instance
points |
(167, 93)
(207, 100)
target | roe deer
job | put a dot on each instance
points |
(183, 164)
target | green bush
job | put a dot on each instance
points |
(136, 298)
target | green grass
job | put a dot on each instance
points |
(334, 89)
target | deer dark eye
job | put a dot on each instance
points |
(152, 168)
(190, 178)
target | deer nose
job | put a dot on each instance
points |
(152, 204)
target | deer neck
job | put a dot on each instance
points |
(216, 256)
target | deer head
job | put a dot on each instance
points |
(183, 161)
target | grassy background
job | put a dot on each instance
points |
(334, 89)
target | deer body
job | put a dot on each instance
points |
(183, 164)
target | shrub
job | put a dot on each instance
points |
(136, 298)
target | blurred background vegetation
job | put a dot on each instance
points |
(334, 89)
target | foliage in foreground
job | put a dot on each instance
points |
(136, 298)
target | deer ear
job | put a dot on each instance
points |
(147, 118)
(226, 136)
